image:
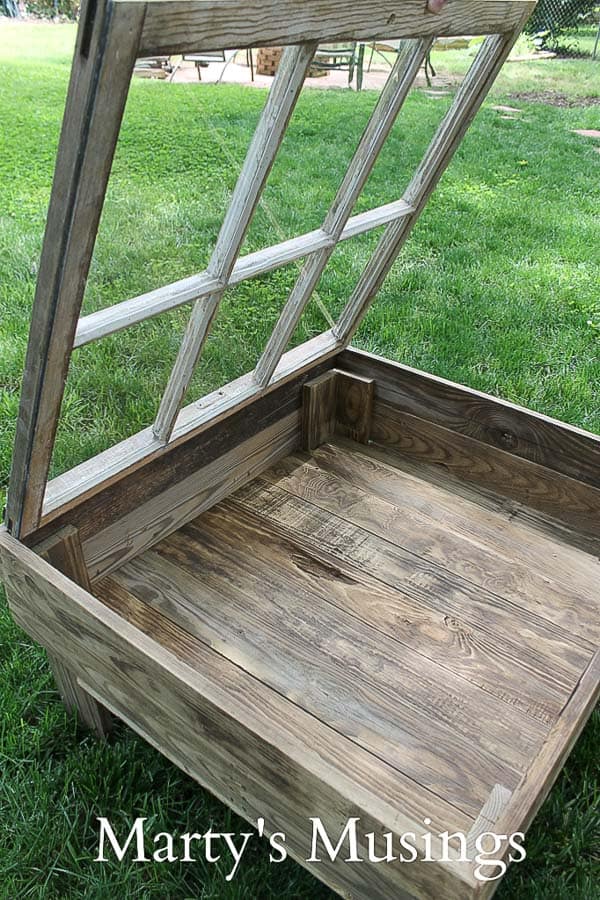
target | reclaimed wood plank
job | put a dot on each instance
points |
(224, 727)
(537, 641)
(153, 519)
(181, 26)
(565, 499)
(75, 697)
(401, 509)
(354, 410)
(319, 398)
(467, 650)
(391, 705)
(519, 529)
(63, 552)
(96, 511)
(485, 822)
(246, 194)
(96, 97)
(507, 426)
(110, 467)
(537, 782)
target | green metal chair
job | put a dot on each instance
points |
(342, 56)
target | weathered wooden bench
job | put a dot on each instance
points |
(337, 587)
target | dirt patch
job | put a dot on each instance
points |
(554, 98)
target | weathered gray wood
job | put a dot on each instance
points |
(487, 818)
(319, 399)
(129, 312)
(257, 165)
(163, 682)
(272, 574)
(486, 546)
(329, 582)
(522, 432)
(520, 529)
(507, 673)
(354, 411)
(240, 605)
(75, 697)
(392, 97)
(181, 26)
(572, 502)
(63, 551)
(336, 403)
(113, 465)
(467, 101)
(102, 67)
(535, 786)
(156, 517)
(537, 640)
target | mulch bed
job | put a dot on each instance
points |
(554, 98)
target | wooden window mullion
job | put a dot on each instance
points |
(367, 152)
(257, 165)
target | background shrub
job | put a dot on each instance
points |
(553, 19)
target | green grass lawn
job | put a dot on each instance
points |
(498, 289)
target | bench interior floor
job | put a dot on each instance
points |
(423, 621)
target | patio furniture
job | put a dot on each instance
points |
(381, 48)
(203, 60)
(343, 57)
(153, 67)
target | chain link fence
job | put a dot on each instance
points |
(41, 9)
(567, 27)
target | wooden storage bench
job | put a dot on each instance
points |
(338, 587)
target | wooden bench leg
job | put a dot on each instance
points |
(63, 551)
(91, 713)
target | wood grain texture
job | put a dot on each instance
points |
(506, 426)
(388, 699)
(75, 697)
(259, 160)
(514, 517)
(355, 396)
(174, 471)
(255, 750)
(565, 499)
(298, 611)
(485, 548)
(535, 786)
(181, 26)
(107, 469)
(95, 103)
(538, 641)
(63, 551)
(491, 810)
(472, 650)
(155, 518)
(319, 397)
(129, 312)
